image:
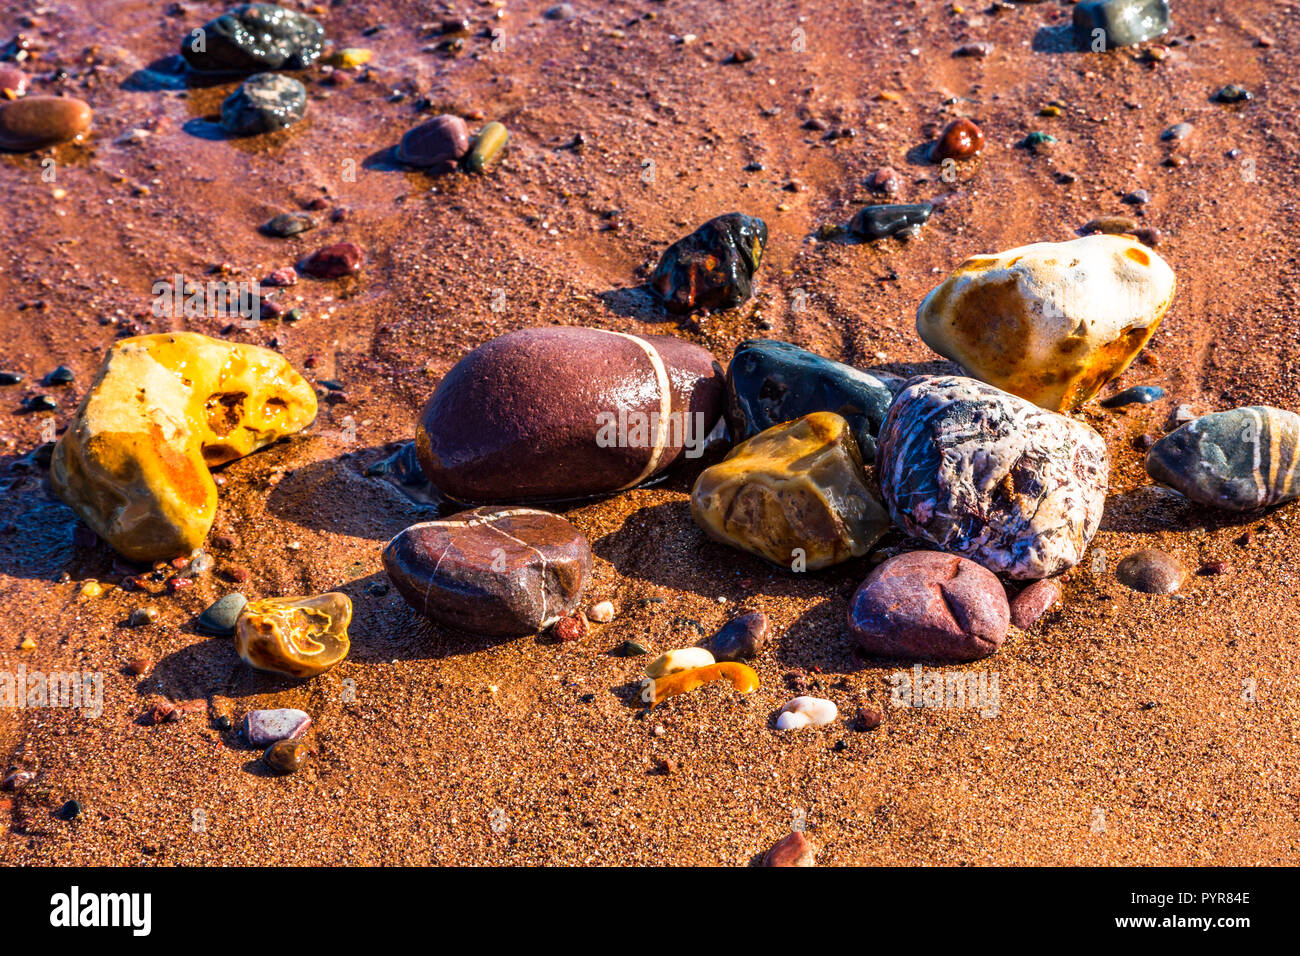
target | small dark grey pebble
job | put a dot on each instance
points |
(219, 619)
(40, 403)
(1136, 395)
(60, 376)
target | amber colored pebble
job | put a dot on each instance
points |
(960, 139)
(743, 679)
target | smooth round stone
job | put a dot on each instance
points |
(253, 37)
(561, 11)
(288, 224)
(681, 659)
(13, 82)
(221, 616)
(742, 638)
(1237, 460)
(1122, 22)
(926, 605)
(488, 146)
(566, 412)
(334, 261)
(1033, 602)
(297, 636)
(285, 756)
(263, 104)
(992, 477)
(793, 850)
(1151, 572)
(1135, 395)
(1232, 93)
(770, 382)
(35, 122)
(960, 139)
(899, 220)
(713, 268)
(437, 145)
(504, 571)
(265, 727)
(1177, 133)
(806, 712)
(885, 180)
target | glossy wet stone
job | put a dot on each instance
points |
(1033, 602)
(713, 268)
(960, 139)
(1236, 460)
(1051, 322)
(899, 220)
(288, 224)
(334, 261)
(505, 571)
(297, 636)
(1121, 22)
(437, 145)
(989, 476)
(264, 727)
(655, 690)
(488, 147)
(793, 850)
(164, 409)
(35, 122)
(1134, 395)
(1151, 572)
(285, 756)
(926, 605)
(221, 616)
(264, 103)
(254, 37)
(770, 382)
(794, 494)
(565, 412)
(742, 638)
(1232, 93)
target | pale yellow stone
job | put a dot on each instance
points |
(92, 589)
(682, 659)
(161, 411)
(1051, 322)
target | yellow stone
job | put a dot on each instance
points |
(27, 645)
(162, 410)
(1051, 322)
(351, 57)
(793, 494)
(92, 589)
(682, 659)
(298, 636)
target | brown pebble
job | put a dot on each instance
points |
(568, 629)
(334, 261)
(884, 180)
(1216, 567)
(793, 850)
(163, 712)
(35, 122)
(1033, 602)
(225, 542)
(1246, 539)
(1144, 442)
(960, 139)
(236, 574)
(870, 716)
(285, 756)
(1151, 572)
(139, 666)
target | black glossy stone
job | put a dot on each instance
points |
(60, 376)
(899, 220)
(253, 37)
(1123, 22)
(770, 382)
(712, 268)
(263, 104)
(1136, 395)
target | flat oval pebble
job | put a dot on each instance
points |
(285, 756)
(1033, 602)
(253, 37)
(288, 224)
(504, 571)
(1119, 22)
(264, 727)
(1134, 395)
(566, 412)
(992, 477)
(13, 82)
(793, 850)
(334, 261)
(437, 145)
(960, 139)
(487, 148)
(713, 268)
(682, 659)
(297, 636)
(264, 103)
(899, 220)
(806, 712)
(926, 605)
(34, 122)
(1151, 572)
(1237, 460)
(222, 615)
(742, 638)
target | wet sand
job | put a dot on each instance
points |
(1125, 732)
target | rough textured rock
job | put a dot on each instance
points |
(34, 122)
(742, 638)
(925, 605)
(264, 103)
(504, 571)
(793, 850)
(335, 261)
(1051, 322)
(254, 37)
(712, 268)
(437, 145)
(793, 494)
(1237, 460)
(161, 411)
(770, 382)
(567, 412)
(986, 475)
(1122, 22)
(1033, 602)
(297, 636)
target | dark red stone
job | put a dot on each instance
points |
(1033, 602)
(793, 850)
(930, 605)
(334, 262)
(34, 122)
(437, 145)
(960, 139)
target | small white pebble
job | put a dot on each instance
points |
(806, 712)
(602, 613)
(659, 730)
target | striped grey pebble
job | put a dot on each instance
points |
(991, 477)
(1237, 460)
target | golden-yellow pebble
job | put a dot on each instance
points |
(92, 589)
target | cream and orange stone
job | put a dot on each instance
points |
(162, 411)
(1051, 322)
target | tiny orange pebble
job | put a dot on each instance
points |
(743, 679)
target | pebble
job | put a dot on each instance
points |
(282, 277)
(437, 145)
(35, 122)
(1122, 22)
(1232, 93)
(793, 850)
(602, 613)
(806, 712)
(794, 494)
(1138, 197)
(960, 139)
(139, 666)
(11, 378)
(60, 376)
(113, 450)
(39, 403)
(563, 412)
(221, 616)
(285, 756)
(265, 727)
(885, 180)
(334, 261)
(561, 11)
(289, 224)
(870, 716)
(714, 267)
(991, 477)
(254, 37)
(1051, 322)
(900, 220)
(264, 103)
(142, 616)
(654, 690)
(1134, 395)
(350, 58)
(926, 605)
(682, 659)
(13, 82)
(1111, 225)
(1236, 460)
(742, 638)
(297, 636)
(488, 147)
(1033, 602)
(1177, 133)
(770, 382)
(977, 50)
(1037, 140)
(630, 649)
(1151, 572)
(500, 570)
